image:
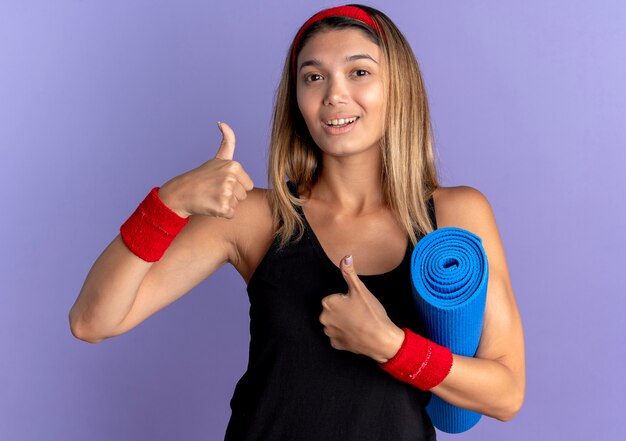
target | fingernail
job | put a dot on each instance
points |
(219, 124)
(348, 260)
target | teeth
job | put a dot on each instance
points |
(340, 121)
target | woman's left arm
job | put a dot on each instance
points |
(493, 382)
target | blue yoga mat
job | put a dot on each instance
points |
(449, 271)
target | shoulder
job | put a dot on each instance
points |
(463, 207)
(468, 208)
(256, 203)
(250, 224)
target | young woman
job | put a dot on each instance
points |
(325, 255)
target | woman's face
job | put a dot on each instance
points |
(339, 76)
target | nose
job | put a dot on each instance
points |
(336, 92)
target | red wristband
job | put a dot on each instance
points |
(419, 361)
(151, 228)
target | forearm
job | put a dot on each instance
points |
(108, 293)
(485, 386)
(114, 281)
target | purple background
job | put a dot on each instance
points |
(100, 101)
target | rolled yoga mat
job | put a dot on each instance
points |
(449, 271)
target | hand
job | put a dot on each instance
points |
(212, 189)
(357, 321)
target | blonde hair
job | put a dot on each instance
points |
(409, 175)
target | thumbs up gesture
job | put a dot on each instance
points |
(357, 321)
(227, 147)
(215, 188)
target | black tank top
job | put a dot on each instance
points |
(297, 387)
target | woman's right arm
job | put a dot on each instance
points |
(122, 290)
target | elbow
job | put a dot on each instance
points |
(85, 338)
(79, 334)
(513, 406)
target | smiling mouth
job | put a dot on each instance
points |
(342, 122)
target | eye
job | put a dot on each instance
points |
(312, 77)
(361, 72)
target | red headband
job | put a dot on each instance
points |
(338, 11)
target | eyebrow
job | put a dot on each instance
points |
(316, 62)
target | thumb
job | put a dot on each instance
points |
(349, 274)
(227, 147)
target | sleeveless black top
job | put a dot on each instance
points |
(297, 387)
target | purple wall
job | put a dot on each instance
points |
(100, 101)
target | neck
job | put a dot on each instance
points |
(351, 184)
